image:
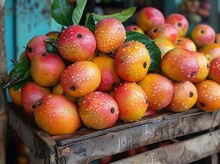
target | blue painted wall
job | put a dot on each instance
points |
(24, 20)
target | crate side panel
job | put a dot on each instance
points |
(120, 141)
(182, 152)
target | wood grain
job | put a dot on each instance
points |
(3, 71)
(182, 152)
(3, 68)
(120, 141)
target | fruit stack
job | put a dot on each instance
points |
(96, 73)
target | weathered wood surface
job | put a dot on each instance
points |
(111, 141)
(3, 68)
(120, 141)
(41, 145)
(3, 73)
(182, 152)
(89, 133)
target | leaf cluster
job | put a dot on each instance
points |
(67, 14)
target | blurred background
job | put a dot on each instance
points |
(28, 18)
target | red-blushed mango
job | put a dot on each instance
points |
(211, 50)
(208, 95)
(149, 17)
(58, 89)
(214, 72)
(164, 45)
(76, 43)
(80, 78)
(179, 21)
(203, 67)
(109, 78)
(167, 31)
(31, 93)
(186, 43)
(135, 28)
(35, 46)
(110, 33)
(132, 101)
(15, 95)
(184, 97)
(202, 34)
(159, 90)
(57, 115)
(46, 69)
(132, 61)
(53, 34)
(179, 65)
(98, 110)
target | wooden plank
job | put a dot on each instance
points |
(3, 68)
(41, 145)
(3, 130)
(3, 73)
(214, 158)
(90, 133)
(86, 133)
(120, 141)
(182, 152)
(113, 142)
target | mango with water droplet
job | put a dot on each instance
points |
(167, 31)
(214, 72)
(203, 70)
(184, 97)
(208, 95)
(31, 93)
(76, 43)
(80, 78)
(132, 61)
(109, 78)
(35, 46)
(159, 90)
(110, 33)
(149, 17)
(179, 21)
(211, 50)
(57, 115)
(179, 64)
(98, 110)
(46, 69)
(132, 101)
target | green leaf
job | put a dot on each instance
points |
(18, 72)
(22, 81)
(52, 45)
(90, 22)
(154, 51)
(78, 11)
(61, 12)
(122, 16)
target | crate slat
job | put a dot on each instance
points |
(120, 141)
(3, 73)
(182, 152)
(97, 144)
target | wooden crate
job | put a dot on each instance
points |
(187, 151)
(87, 145)
(3, 105)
